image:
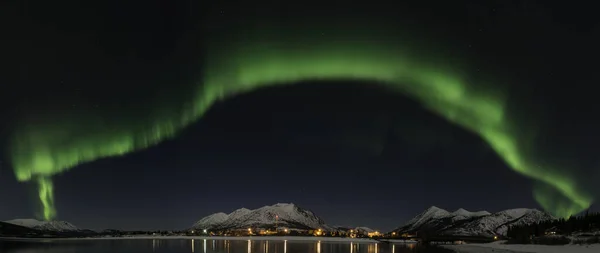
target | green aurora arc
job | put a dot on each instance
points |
(254, 60)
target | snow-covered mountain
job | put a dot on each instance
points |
(239, 213)
(428, 216)
(498, 223)
(211, 221)
(57, 226)
(285, 215)
(462, 214)
(435, 220)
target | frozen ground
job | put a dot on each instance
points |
(256, 238)
(512, 248)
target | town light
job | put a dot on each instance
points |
(285, 230)
(204, 231)
(495, 237)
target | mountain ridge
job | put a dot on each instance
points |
(55, 226)
(286, 215)
(461, 222)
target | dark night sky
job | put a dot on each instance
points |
(375, 163)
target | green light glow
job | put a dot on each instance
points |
(46, 195)
(548, 197)
(257, 60)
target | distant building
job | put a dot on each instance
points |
(552, 231)
(374, 234)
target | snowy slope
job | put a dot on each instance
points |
(530, 217)
(529, 248)
(239, 213)
(431, 214)
(285, 215)
(432, 219)
(462, 222)
(218, 219)
(498, 223)
(211, 221)
(59, 226)
(464, 214)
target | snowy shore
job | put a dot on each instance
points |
(232, 238)
(498, 247)
(398, 241)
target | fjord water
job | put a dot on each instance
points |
(207, 246)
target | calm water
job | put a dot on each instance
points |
(207, 246)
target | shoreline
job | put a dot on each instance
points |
(221, 238)
(499, 247)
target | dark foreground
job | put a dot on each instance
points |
(207, 246)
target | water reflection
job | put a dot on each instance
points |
(218, 246)
(155, 244)
(319, 247)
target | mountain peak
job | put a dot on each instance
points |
(434, 208)
(284, 204)
(466, 213)
(436, 211)
(239, 212)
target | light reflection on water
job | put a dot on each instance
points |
(319, 247)
(217, 246)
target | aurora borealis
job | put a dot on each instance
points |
(253, 57)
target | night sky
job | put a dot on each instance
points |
(353, 151)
